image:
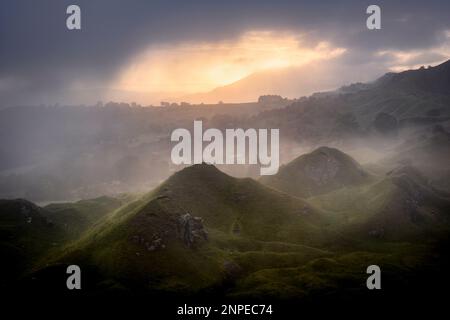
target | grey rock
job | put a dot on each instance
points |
(191, 229)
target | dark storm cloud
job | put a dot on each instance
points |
(39, 55)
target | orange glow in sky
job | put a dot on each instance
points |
(200, 67)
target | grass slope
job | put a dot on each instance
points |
(275, 230)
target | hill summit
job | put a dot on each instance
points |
(321, 171)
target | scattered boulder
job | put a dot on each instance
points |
(156, 243)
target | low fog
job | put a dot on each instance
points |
(59, 153)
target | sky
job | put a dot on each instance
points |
(146, 51)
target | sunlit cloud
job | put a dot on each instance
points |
(413, 59)
(199, 67)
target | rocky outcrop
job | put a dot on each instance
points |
(191, 230)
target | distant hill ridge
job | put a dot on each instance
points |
(435, 80)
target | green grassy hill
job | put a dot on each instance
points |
(402, 206)
(25, 235)
(77, 217)
(321, 171)
(29, 233)
(242, 239)
(249, 227)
